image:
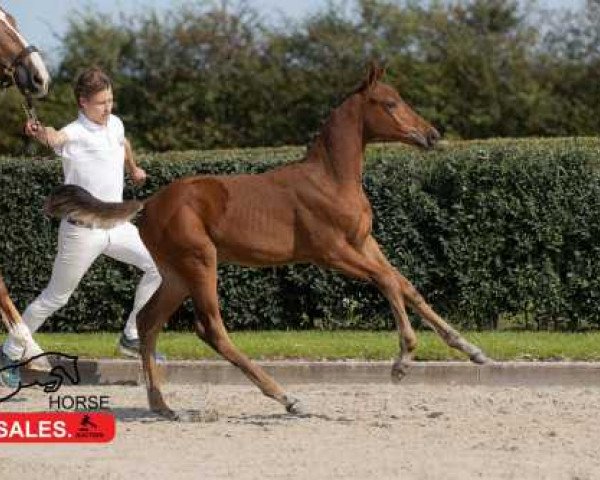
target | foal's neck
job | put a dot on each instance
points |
(340, 145)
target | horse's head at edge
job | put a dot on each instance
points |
(388, 118)
(20, 62)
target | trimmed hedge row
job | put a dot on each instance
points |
(486, 230)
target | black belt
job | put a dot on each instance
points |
(77, 223)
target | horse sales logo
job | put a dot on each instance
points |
(57, 427)
(72, 419)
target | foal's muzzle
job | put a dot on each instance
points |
(432, 137)
(426, 139)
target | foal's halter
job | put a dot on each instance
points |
(7, 72)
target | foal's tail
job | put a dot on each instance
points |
(80, 206)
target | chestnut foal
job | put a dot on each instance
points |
(314, 211)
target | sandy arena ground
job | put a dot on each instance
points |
(358, 432)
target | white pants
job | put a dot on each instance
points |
(78, 247)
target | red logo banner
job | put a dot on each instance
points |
(57, 427)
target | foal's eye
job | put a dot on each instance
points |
(390, 104)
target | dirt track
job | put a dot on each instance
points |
(355, 432)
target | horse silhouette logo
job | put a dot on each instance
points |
(64, 368)
(86, 424)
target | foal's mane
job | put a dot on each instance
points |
(338, 103)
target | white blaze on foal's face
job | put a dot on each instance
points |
(12, 43)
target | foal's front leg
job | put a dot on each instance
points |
(369, 263)
(416, 301)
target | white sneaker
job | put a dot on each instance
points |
(41, 364)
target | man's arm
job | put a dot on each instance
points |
(47, 136)
(137, 174)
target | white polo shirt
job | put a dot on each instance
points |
(94, 157)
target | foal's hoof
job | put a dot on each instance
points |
(295, 407)
(479, 358)
(167, 414)
(399, 370)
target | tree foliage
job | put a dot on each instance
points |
(485, 230)
(216, 76)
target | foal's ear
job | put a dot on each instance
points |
(374, 74)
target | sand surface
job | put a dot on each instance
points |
(358, 432)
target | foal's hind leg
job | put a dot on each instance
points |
(201, 278)
(150, 320)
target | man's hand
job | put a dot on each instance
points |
(138, 175)
(47, 136)
(33, 129)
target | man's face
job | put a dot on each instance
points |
(98, 107)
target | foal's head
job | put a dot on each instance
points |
(20, 62)
(388, 118)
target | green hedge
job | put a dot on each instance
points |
(487, 231)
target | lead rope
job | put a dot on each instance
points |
(31, 115)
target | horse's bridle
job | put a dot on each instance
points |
(7, 79)
(7, 72)
(7, 76)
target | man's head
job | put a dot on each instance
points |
(93, 92)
